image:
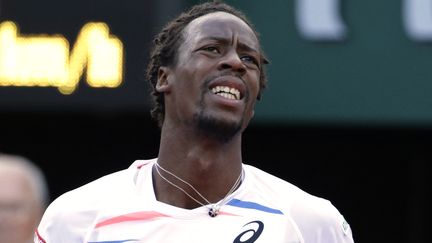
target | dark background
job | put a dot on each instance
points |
(377, 177)
(372, 166)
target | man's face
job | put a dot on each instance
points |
(19, 210)
(215, 81)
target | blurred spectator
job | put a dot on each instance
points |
(23, 198)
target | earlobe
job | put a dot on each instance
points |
(251, 114)
(163, 84)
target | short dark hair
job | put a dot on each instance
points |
(167, 42)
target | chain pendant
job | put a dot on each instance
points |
(214, 211)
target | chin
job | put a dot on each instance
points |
(219, 129)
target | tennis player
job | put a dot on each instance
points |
(207, 71)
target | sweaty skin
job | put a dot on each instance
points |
(218, 50)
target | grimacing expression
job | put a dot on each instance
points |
(216, 76)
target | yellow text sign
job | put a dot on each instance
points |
(46, 61)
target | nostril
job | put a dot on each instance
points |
(225, 66)
(241, 69)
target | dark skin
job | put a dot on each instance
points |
(219, 50)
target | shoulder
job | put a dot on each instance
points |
(317, 218)
(100, 189)
(72, 213)
(274, 187)
(103, 189)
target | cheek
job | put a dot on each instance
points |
(194, 79)
(254, 86)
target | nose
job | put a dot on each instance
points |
(231, 60)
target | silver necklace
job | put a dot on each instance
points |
(213, 207)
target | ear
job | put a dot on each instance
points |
(163, 84)
(252, 114)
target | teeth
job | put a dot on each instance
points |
(227, 92)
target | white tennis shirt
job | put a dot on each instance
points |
(122, 208)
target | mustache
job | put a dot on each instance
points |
(223, 74)
(208, 80)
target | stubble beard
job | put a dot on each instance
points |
(217, 129)
(214, 127)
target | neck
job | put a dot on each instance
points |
(209, 166)
(195, 152)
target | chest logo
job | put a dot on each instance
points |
(252, 232)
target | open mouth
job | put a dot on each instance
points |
(227, 92)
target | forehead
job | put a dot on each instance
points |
(220, 25)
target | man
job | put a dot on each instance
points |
(23, 197)
(207, 72)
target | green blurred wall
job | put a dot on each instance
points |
(377, 75)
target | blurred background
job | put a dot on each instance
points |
(347, 114)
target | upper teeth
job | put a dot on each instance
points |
(227, 92)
